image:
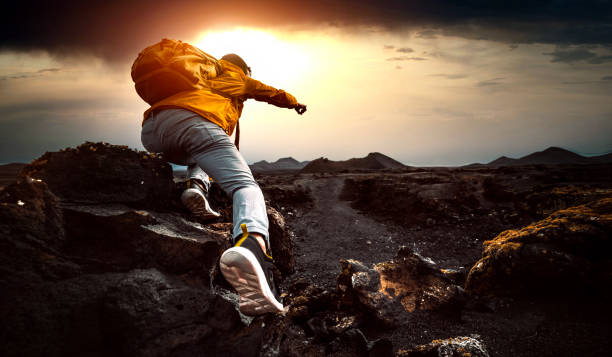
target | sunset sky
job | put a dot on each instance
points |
(425, 82)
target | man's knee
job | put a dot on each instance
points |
(250, 187)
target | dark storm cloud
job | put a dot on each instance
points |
(578, 55)
(116, 29)
(573, 55)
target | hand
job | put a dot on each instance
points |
(300, 109)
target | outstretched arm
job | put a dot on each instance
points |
(265, 93)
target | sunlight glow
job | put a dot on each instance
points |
(273, 60)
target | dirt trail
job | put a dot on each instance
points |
(332, 230)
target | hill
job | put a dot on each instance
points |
(551, 156)
(374, 161)
(284, 164)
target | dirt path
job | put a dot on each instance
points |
(332, 230)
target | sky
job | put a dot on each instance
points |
(427, 83)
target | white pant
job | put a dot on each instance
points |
(185, 138)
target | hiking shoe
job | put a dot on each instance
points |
(194, 198)
(250, 271)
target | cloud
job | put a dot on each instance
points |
(449, 76)
(427, 34)
(490, 82)
(606, 78)
(601, 59)
(577, 55)
(406, 58)
(23, 75)
(115, 29)
(569, 56)
(404, 50)
(49, 70)
(388, 47)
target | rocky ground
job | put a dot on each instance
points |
(99, 258)
(446, 215)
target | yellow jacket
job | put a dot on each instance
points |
(220, 100)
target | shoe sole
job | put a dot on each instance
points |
(197, 204)
(240, 268)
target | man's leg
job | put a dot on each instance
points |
(248, 265)
(194, 172)
(195, 197)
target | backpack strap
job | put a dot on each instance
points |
(237, 139)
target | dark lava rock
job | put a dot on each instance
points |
(566, 252)
(148, 313)
(405, 284)
(294, 196)
(31, 234)
(125, 239)
(104, 173)
(414, 198)
(281, 242)
(543, 200)
(451, 347)
(109, 265)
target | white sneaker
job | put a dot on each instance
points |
(249, 270)
(194, 198)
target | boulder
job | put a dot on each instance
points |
(450, 347)
(567, 252)
(31, 235)
(125, 239)
(104, 173)
(405, 284)
(148, 313)
(98, 258)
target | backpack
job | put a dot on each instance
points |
(169, 67)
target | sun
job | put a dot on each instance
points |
(273, 60)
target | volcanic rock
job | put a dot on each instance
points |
(566, 252)
(405, 284)
(412, 199)
(451, 347)
(104, 173)
(111, 266)
(281, 242)
(31, 235)
(9, 173)
(151, 314)
(125, 239)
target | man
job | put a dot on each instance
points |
(194, 128)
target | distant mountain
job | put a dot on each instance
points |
(284, 164)
(374, 161)
(551, 156)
